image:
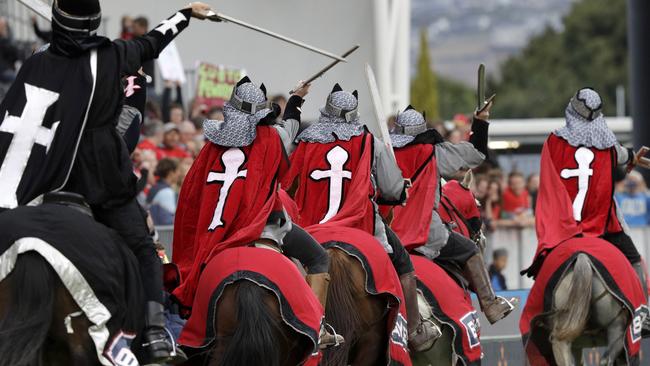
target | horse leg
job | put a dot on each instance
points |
(562, 348)
(609, 314)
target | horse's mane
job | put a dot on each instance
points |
(28, 312)
(342, 295)
(253, 318)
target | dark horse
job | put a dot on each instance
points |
(33, 307)
(49, 302)
(251, 324)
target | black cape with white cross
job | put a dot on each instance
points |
(58, 120)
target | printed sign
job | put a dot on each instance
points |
(400, 333)
(473, 328)
(171, 65)
(640, 314)
(215, 84)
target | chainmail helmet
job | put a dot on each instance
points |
(248, 106)
(339, 119)
(585, 123)
(408, 125)
(81, 16)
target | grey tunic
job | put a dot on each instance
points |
(388, 180)
(450, 158)
(288, 130)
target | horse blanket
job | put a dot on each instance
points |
(381, 278)
(452, 306)
(269, 269)
(91, 261)
(617, 273)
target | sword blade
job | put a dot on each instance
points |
(481, 88)
(328, 67)
(39, 7)
(379, 110)
(222, 17)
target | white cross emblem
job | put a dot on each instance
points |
(171, 23)
(337, 157)
(131, 86)
(27, 131)
(584, 157)
(232, 160)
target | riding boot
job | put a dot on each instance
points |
(422, 333)
(157, 340)
(319, 283)
(638, 268)
(494, 307)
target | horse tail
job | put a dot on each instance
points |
(258, 331)
(341, 310)
(28, 312)
(572, 319)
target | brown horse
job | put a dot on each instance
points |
(257, 312)
(34, 310)
(360, 317)
(251, 330)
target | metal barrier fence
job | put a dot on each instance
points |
(520, 244)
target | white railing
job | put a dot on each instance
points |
(521, 245)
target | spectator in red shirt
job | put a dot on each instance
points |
(515, 197)
(516, 201)
(171, 144)
(153, 136)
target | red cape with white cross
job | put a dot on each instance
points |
(225, 202)
(334, 182)
(575, 194)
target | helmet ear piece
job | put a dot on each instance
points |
(337, 88)
(356, 95)
(424, 115)
(408, 108)
(243, 81)
(263, 88)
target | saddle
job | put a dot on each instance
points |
(68, 199)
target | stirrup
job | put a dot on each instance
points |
(176, 355)
(331, 332)
(512, 303)
(436, 334)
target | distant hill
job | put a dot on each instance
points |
(463, 33)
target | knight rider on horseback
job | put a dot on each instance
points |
(584, 155)
(230, 195)
(340, 171)
(59, 133)
(424, 157)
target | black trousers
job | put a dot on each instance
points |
(400, 257)
(129, 221)
(624, 243)
(302, 246)
(457, 250)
